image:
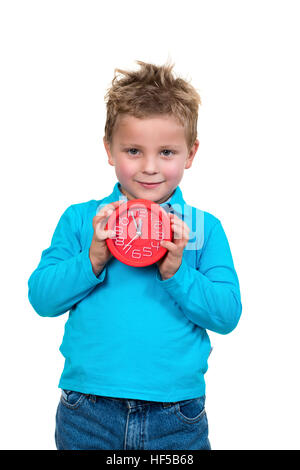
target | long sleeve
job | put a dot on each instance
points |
(209, 295)
(64, 275)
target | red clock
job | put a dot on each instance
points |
(140, 225)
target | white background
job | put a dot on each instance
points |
(57, 60)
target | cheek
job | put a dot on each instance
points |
(173, 172)
(125, 170)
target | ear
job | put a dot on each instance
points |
(108, 151)
(191, 155)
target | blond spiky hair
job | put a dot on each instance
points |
(152, 90)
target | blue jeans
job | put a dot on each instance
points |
(85, 422)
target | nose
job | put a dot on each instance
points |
(150, 165)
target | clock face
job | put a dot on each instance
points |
(140, 225)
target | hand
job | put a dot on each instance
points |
(170, 263)
(99, 252)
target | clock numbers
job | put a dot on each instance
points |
(147, 251)
(124, 220)
(157, 245)
(142, 212)
(119, 230)
(128, 248)
(119, 241)
(128, 239)
(159, 234)
(157, 224)
(139, 227)
(136, 253)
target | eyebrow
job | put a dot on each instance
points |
(160, 146)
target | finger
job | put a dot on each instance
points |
(170, 246)
(106, 211)
(112, 205)
(179, 225)
(99, 224)
(101, 219)
(175, 218)
(104, 234)
(180, 231)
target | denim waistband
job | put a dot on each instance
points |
(133, 403)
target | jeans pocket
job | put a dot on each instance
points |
(191, 411)
(71, 399)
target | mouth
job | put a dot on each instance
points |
(150, 185)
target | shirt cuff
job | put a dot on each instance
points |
(87, 266)
(176, 279)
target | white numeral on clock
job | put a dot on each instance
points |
(157, 224)
(159, 235)
(128, 248)
(142, 212)
(118, 230)
(136, 253)
(157, 246)
(147, 251)
(124, 221)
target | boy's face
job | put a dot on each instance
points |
(149, 151)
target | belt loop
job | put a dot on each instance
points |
(166, 404)
(92, 398)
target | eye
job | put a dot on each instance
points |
(167, 150)
(132, 151)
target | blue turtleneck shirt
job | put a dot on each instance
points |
(130, 334)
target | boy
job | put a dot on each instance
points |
(135, 343)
